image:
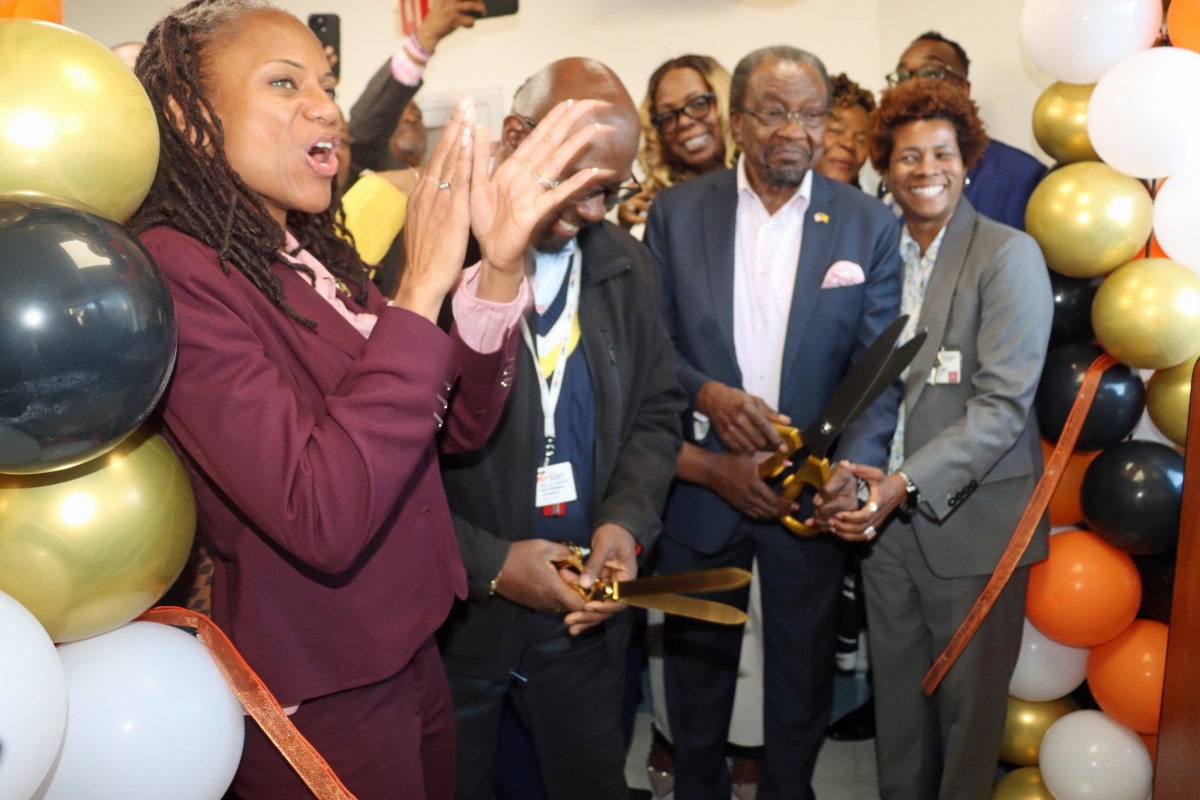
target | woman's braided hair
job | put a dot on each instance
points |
(196, 190)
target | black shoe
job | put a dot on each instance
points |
(857, 725)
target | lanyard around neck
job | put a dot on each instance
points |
(551, 393)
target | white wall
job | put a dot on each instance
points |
(861, 37)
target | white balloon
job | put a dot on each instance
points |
(1141, 118)
(33, 701)
(1046, 669)
(1176, 210)
(1087, 756)
(150, 718)
(1076, 41)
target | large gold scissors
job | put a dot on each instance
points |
(878, 368)
(666, 592)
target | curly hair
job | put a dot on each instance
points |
(847, 94)
(920, 99)
(196, 190)
(660, 168)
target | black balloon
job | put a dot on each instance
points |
(1119, 403)
(87, 336)
(1072, 309)
(1158, 585)
(1132, 495)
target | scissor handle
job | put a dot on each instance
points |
(575, 562)
(773, 465)
(813, 472)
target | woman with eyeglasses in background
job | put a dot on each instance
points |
(684, 130)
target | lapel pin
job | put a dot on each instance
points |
(820, 216)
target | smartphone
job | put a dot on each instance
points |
(501, 8)
(328, 29)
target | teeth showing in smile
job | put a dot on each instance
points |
(696, 142)
(928, 191)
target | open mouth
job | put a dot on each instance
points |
(927, 191)
(322, 158)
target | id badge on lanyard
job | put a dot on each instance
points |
(555, 481)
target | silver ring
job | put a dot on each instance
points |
(444, 185)
(870, 532)
(872, 507)
(544, 181)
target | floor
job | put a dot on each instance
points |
(845, 770)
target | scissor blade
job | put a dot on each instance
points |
(693, 607)
(897, 362)
(705, 580)
(846, 401)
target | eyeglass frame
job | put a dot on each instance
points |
(932, 73)
(800, 115)
(623, 193)
(661, 119)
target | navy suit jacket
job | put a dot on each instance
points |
(999, 185)
(691, 232)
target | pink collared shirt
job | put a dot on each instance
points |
(482, 324)
(766, 255)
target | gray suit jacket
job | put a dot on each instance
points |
(973, 448)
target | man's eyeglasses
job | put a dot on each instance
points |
(697, 108)
(613, 195)
(933, 73)
(777, 116)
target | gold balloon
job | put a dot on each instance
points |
(1089, 219)
(1147, 313)
(1060, 122)
(1026, 724)
(1022, 784)
(74, 121)
(88, 549)
(1168, 393)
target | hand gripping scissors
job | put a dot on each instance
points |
(879, 367)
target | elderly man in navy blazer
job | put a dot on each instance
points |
(775, 279)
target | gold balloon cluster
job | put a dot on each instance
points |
(86, 550)
(76, 127)
(1025, 726)
(1060, 122)
(1089, 219)
(1147, 313)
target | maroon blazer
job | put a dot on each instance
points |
(313, 456)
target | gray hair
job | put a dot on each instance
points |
(786, 53)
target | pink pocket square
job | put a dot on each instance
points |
(843, 273)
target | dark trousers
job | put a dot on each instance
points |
(391, 740)
(801, 581)
(568, 696)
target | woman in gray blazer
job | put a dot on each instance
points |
(964, 460)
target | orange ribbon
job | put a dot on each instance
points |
(258, 701)
(1029, 521)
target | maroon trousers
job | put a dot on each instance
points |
(391, 740)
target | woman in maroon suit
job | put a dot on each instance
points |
(308, 408)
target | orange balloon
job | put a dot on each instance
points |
(48, 10)
(1085, 593)
(1126, 675)
(1183, 24)
(1066, 507)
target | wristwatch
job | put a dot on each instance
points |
(912, 495)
